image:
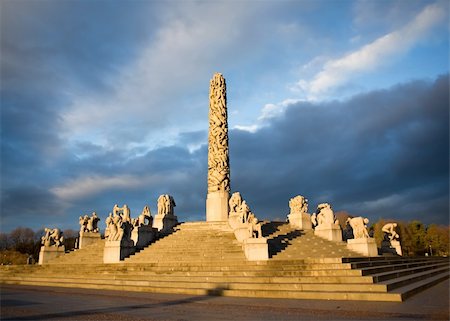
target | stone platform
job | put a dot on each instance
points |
(202, 258)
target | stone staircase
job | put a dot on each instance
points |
(91, 254)
(193, 242)
(202, 258)
(286, 243)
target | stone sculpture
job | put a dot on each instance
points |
(108, 222)
(119, 224)
(89, 231)
(362, 242)
(247, 229)
(52, 237)
(89, 224)
(359, 227)
(118, 243)
(165, 220)
(143, 232)
(166, 205)
(390, 233)
(83, 220)
(254, 228)
(325, 223)
(298, 204)
(52, 245)
(298, 216)
(390, 243)
(145, 215)
(324, 216)
(234, 217)
(218, 158)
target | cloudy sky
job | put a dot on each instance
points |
(106, 102)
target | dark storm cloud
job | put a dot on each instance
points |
(381, 154)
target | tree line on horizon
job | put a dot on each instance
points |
(417, 239)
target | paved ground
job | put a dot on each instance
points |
(50, 303)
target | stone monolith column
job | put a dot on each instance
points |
(218, 158)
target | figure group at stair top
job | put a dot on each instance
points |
(119, 223)
(89, 224)
(52, 237)
(323, 218)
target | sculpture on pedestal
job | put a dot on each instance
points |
(389, 231)
(145, 215)
(89, 224)
(218, 158)
(119, 244)
(324, 216)
(52, 237)
(298, 216)
(391, 240)
(165, 220)
(166, 205)
(119, 224)
(247, 229)
(359, 227)
(89, 231)
(325, 223)
(234, 217)
(52, 245)
(143, 232)
(362, 242)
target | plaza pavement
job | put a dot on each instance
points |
(51, 303)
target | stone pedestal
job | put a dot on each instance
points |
(392, 247)
(217, 206)
(331, 232)
(364, 246)
(87, 238)
(49, 253)
(300, 221)
(234, 220)
(398, 248)
(143, 236)
(165, 223)
(116, 251)
(256, 249)
(242, 232)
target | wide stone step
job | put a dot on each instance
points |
(394, 267)
(218, 290)
(375, 262)
(411, 278)
(241, 277)
(379, 277)
(243, 285)
(412, 288)
(189, 272)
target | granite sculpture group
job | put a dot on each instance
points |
(125, 235)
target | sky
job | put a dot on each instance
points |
(106, 102)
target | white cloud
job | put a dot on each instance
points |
(164, 90)
(337, 72)
(92, 185)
